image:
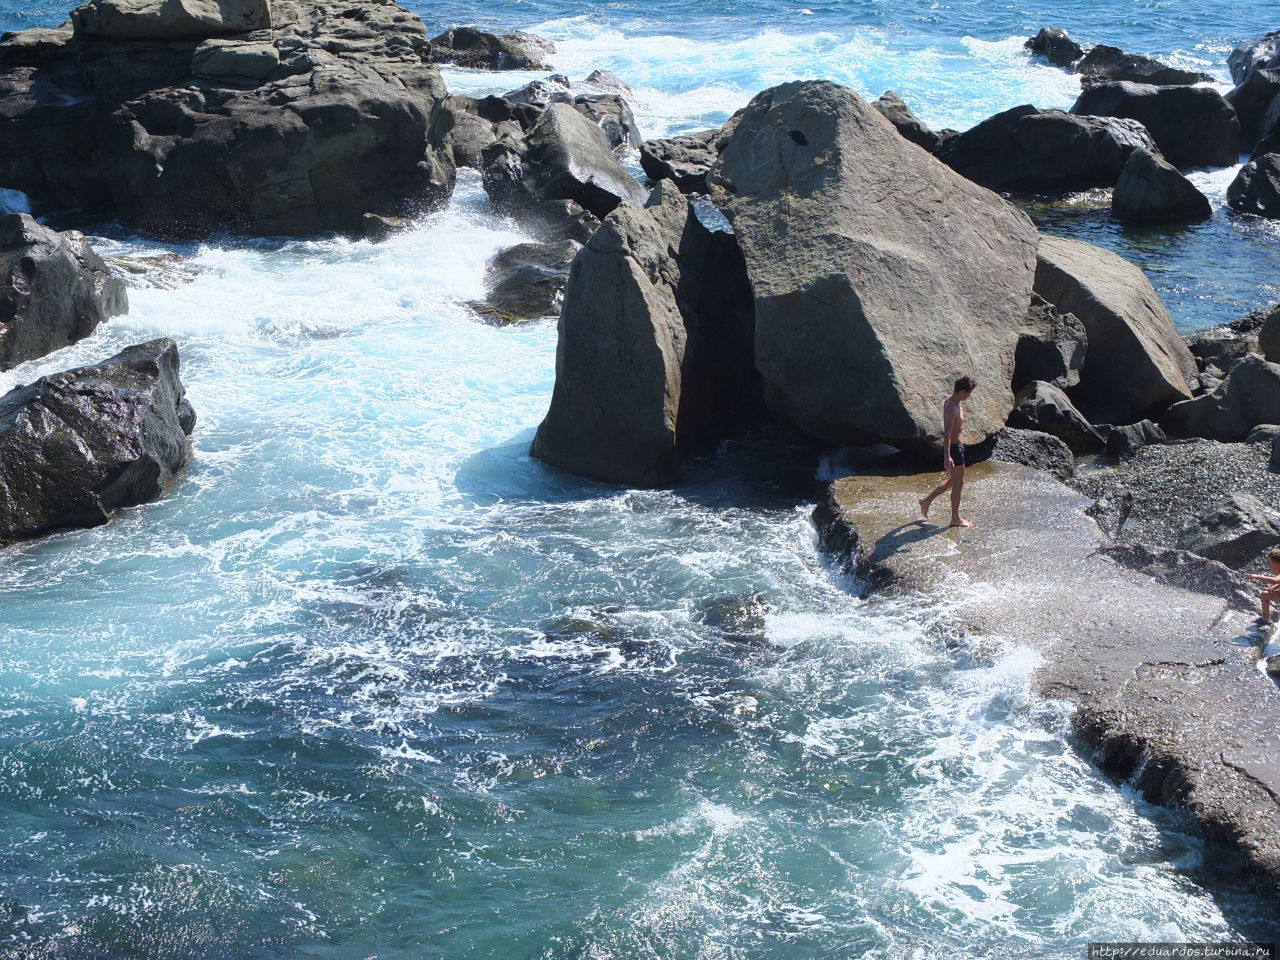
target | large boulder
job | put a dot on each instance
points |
(1236, 530)
(323, 112)
(1269, 333)
(54, 290)
(1103, 64)
(1192, 126)
(654, 359)
(527, 281)
(1253, 100)
(482, 50)
(1250, 395)
(1042, 406)
(895, 110)
(1256, 188)
(1027, 150)
(1056, 46)
(1258, 53)
(1152, 190)
(685, 159)
(75, 446)
(851, 237)
(1137, 363)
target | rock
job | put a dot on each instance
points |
(1026, 150)
(1151, 190)
(1249, 396)
(158, 113)
(1273, 665)
(1043, 407)
(1182, 568)
(481, 50)
(1252, 101)
(611, 114)
(75, 446)
(54, 290)
(1137, 364)
(1124, 442)
(685, 159)
(1032, 448)
(469, 133)
(1235, 531)
(1260, 53)
(169, 19)
(1273, 464)
(1264, 433)
(1054, 45)
(1052, 347)
(527, 281)
(654, 358)
(1269, 334)
(541, 93)
(1193, 126)
(1103, 64)
(1256, 188)
(377, 229)
(567, 159)
(851, 236)
(608, 80)
(894, 109)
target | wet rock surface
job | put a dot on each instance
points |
(77, 445)
(1104, 63)
(482, 50)
(1056, 46)
(1160, 675)
(1256, 188)
(1152, 190)
(54, 290)
(527, 281)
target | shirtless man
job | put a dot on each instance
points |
(952, 452)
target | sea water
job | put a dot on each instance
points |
(370, 682)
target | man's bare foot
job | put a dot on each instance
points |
(924, 509)
(961, 522)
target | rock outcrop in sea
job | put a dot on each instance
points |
(1192, 126)
(78, 445)
(262, 116)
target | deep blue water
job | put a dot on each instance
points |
(371, 682)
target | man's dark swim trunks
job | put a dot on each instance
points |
(957, 454)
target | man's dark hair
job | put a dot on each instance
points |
(966, 385)
(1274, 554)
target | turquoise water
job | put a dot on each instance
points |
(371, 682)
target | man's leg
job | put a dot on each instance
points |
(938, 491)
(1267, 597)
(957, 487)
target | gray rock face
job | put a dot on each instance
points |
(1193, 126)
(1042, 406)
(654, 355)
(1051, 347)
(1152, 190)
(317, 115)
(1104, 63)
(1056, 46)
(894, 109)
(1235, 531)
(1256, 188)
(54, 290)
(1250, 395)
(685, 159)
(1259, 53)
(851, 236)
(1137, 363)
(481, 50)
(1026, 150)
(75, 446)
(527, 281)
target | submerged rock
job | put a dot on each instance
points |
(1152, 190)
(1256, 188)
(684, 160)
(75, 446)
(1137, 364)
(1056, 46)
(1104, 63)
(167, 114)
(527, 281)
(54, 290)
(851, 236)
(1192, 126)
(482, 50)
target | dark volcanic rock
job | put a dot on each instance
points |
(75, 446)
(1193, 126)
(851, 236)
(54, 290)
(685, 159)
(1235, 530)
(654, 359)
(481, 50)
(1256, 188)
(1250, 395)
(527, 281)
(894, 109)
(613, 115)
(1026, 150)
(304, 126)
(1252, 100)
(1033, 448)
(1054, 45)
(1043, 407)
(1137, 364)
(1104, 63)
(1052, 347)
(1259, 53)
(1152, 190)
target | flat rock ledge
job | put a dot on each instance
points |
(1165, 681)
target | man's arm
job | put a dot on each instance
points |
(948, 428)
